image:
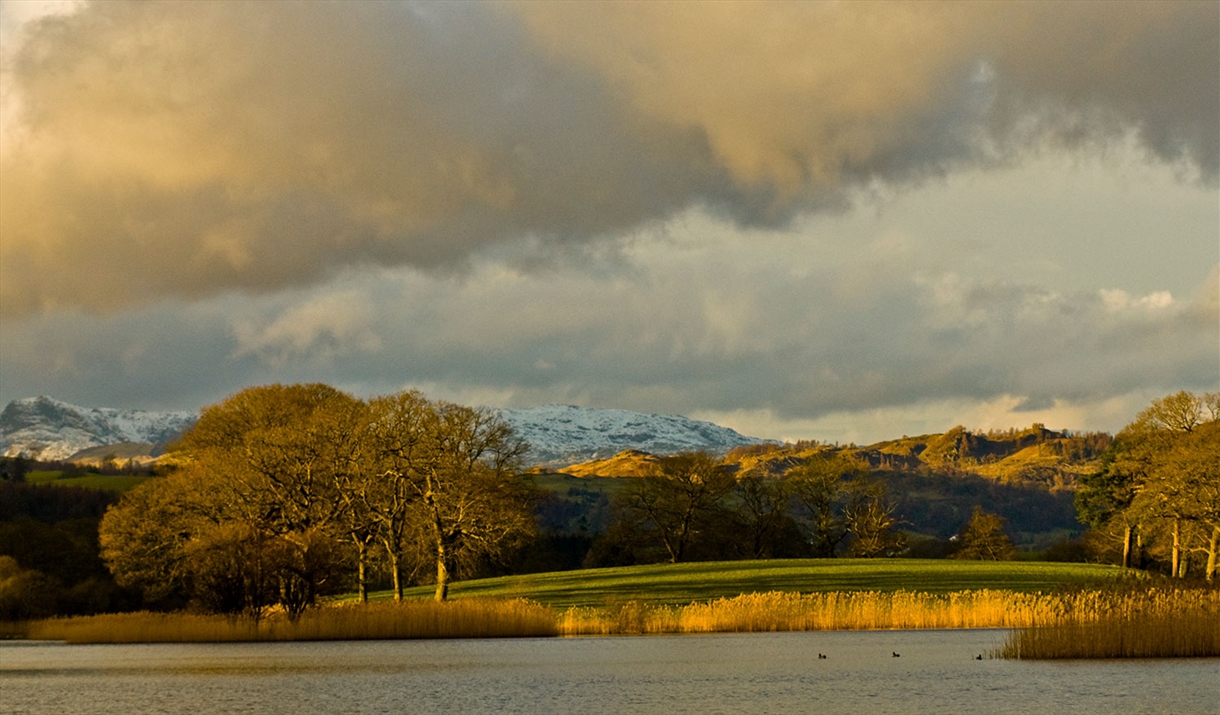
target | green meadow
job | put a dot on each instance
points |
(681, 584)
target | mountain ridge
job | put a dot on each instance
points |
(45, 428)
(49, 429)
(565, 434)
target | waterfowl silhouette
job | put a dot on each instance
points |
(896, 655)
(979, 656)
(821, 656)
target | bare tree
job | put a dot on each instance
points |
(762, 512)
(471, 493)
(820, 486)
(679, 498)
(448, 476)
(871, 519)
(397, 429)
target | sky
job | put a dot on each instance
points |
(837, 221)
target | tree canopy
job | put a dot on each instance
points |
(279, 493)
(1158, 488)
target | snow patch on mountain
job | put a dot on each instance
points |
(560, 435)
(48, 429)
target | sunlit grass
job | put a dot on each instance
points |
(681, 584)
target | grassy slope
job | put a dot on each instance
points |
(117, 483)
(677, 584)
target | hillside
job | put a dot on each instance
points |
(1026, 476)
(1034, 456)
(628, 463)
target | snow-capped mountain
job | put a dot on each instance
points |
(45, 428)
(563, 434)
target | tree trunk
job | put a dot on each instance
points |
(1177, 548)
(442, 575)
(396, 574)
(1212, 546)
(442, 552)
(1128, 537)
(362, 558)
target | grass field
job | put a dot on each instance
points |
(681, 584)
(117, 483)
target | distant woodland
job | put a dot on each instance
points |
(282, 495)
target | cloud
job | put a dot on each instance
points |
(771, 331)
(733, 326)
(320, 328)
(189, 149)
(322, 136)
(798, 96)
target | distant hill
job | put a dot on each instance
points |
(120, 453)
(1026, 476)
(1032, 456)
(628, 463)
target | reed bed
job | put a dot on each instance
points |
(1161, 623)
(1155, 622)
(470, 618)
(1183, 622)
(780, 611)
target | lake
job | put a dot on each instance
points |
(936, 672)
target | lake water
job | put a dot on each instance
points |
(936, 672)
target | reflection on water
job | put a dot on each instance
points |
(936, 671)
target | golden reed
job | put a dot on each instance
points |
(467, 618)
(776, 611)
(1161, 623)
(1155, 622)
